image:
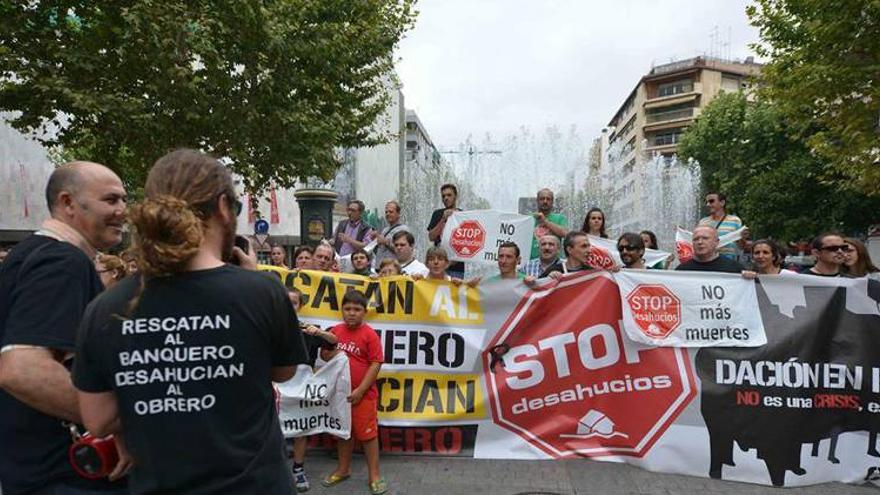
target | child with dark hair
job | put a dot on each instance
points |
(361, 262)
(364, 350)
(315, 339)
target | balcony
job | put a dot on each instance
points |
(683, 113)
(665, 142)
(685, 94)
(662, 148)
(660, 121)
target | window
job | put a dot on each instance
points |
(672, 136)
(675, 88)
(731, 83)
(629, 127)
(629, 146)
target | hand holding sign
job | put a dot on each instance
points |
(475, 235)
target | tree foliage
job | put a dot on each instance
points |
(824, 77)
(271, 85)
(773, 180)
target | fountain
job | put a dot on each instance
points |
(420, 194)
(653, 192)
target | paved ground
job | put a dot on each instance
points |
(409, 475)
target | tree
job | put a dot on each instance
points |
(824, 78)
(773, 180)
(273, 86)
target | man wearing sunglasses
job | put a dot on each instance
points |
(829, 251)
(632, 250)
(723, 223)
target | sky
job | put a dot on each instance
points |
(471, 67)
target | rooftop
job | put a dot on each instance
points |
(748, 67)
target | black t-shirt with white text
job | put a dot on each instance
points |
(45, 285)
(191, 370)
(457, 266)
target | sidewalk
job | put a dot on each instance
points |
(412, 475)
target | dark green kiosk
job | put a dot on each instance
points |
(315, 214)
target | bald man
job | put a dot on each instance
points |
(45, 285)
(546, 222)
(706, 257)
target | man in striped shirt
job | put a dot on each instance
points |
(722, 222)
(549, 254)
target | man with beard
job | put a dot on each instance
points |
(830, 253)
(632, 250)
(181, 358)
(45, 285)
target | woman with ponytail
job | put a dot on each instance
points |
(181, 357)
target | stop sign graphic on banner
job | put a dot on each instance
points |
(468, 238)
(600, 258)
(655, 309)
(578, 368)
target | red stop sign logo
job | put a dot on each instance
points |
(468, 238)
(599, 257)
(571, 378)
(655, 309)
(684, 250)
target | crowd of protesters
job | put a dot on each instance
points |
(556, 250)
(76, 324)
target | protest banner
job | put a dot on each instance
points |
(475, 235)
(604, 254)
(315, 401)
(506, 371)
(684, 309)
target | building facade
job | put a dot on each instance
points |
(370, 174)
(647, 127)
